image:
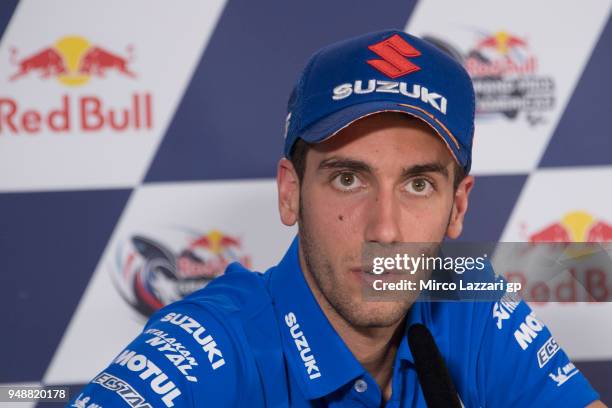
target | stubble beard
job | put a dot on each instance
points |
(351, 307)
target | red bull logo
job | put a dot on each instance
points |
(502, 41)
(576, 226)
(217, 248)
(73, 61)
(575, 266)
(215, 241)
(501, 54)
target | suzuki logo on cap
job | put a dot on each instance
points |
(392, 51)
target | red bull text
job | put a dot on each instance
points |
(73, 61)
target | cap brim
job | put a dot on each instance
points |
(332, 124)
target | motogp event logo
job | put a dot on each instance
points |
(506, 77)
(151, 272)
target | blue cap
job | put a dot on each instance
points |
(387, 71)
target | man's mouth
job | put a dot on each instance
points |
(359, 270)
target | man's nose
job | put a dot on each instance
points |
(383, 225)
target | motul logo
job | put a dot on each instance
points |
(392, 51)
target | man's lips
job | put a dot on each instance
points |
(360, 270)
(365, 276)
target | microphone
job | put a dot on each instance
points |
(436, 383)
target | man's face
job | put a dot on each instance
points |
(384, 179)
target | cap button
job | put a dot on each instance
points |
(360, 386)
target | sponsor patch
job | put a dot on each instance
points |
(158, 380)
(302, 346)
(547, 351)
(123, 389)
(503, 309)
(528, 331)
(174, 351)
(563, 374)
(200, 335)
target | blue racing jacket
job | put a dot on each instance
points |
(261, 340)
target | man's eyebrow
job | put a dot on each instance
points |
(360, 166)
(344, 163)
(424, 168)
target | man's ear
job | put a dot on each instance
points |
(288, 186)
(460, 206)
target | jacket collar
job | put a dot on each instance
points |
(318, 358)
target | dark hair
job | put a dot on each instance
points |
(298, 159)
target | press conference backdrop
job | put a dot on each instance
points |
(138, 144)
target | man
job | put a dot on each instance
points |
(378, 150)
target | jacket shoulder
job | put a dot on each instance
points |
(196, 351)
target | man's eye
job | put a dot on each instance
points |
(420, 187)
(346, 182)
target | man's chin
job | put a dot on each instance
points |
(376, 314)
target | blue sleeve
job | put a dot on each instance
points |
(184, 357)
(521, 364)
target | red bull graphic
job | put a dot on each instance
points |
(501, 54)
(150, 274)
(576, 226)
(48, 62)
(98, 61)
(505, 75)
(574, 261)
(73, 61)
